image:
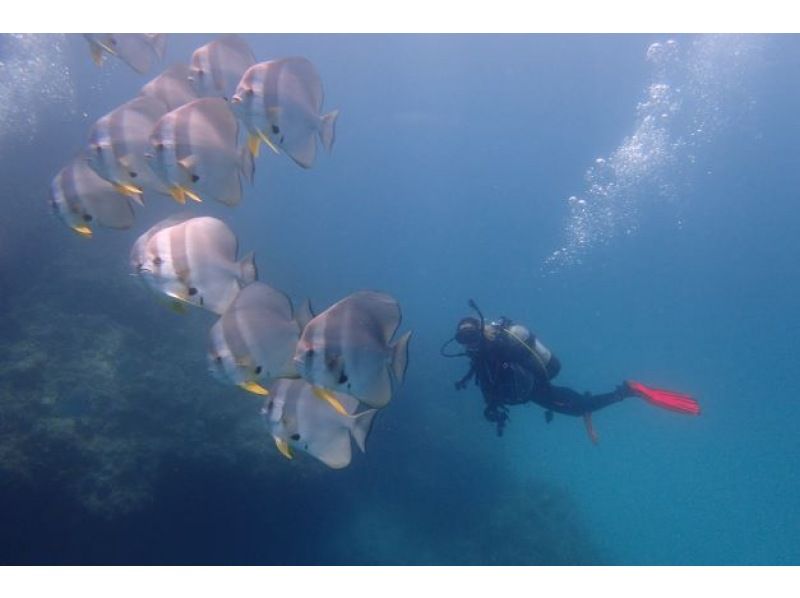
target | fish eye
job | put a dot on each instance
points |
(157, 261)
(343, 378)
(98, 149)
(195, 178)
(87, 218)
(160, 146)
(258, 370)
(192, 291)
(218, 358)
(250, 91)
(133, 175)
(295, 437)
(275, 129)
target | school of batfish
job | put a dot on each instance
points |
(193, 133)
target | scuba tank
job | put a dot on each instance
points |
(548, 363)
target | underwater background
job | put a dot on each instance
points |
(633, 199)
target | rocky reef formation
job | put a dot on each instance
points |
(116, 446)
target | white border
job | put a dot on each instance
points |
(398, 16)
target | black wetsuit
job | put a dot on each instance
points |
(508, 372)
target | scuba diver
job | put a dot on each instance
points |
(511, 366)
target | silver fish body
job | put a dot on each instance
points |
(217, 67)
(348, 348)
(194, 152)
(82, 199)
(255, 339)
(298, 419)
(194, 262)
(280, 103)
(118, 143)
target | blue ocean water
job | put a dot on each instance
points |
(630, 198)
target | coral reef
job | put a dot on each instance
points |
(92, 404)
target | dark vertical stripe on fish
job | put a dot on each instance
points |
(214, 61)
(69, 187)
(232, 334)
(179, 251)
(115, 131)
(182, 132)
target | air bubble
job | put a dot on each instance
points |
(688, 99)
(34, 77)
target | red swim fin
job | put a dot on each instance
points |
(666, 399)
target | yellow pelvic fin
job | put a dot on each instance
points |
(129, 190)
(83, 230)
(177, 297)
(253, 144)
(192, 195)
(325, 395)
(283, 447)
(255, 388)
(267, 140)
(106, 47)
(178, 194)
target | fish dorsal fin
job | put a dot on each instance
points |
(136, 50)
(380, 392)
(171, 87)
(381, 308)
(236, 44)
(299, 75)
(259, 296)
(400, 357)
(148, 106)
(304, 314)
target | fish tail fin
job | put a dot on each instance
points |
(304, 314)
(249, 271)
(247, 164)
(327, 130)
(400, 357)
(362, 424)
